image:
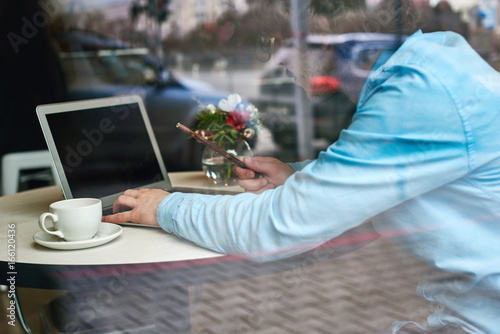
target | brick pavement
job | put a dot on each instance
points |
(357, 293)
(360, 292)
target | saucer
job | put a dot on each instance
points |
(106, 233)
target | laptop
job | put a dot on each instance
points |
(102, 147)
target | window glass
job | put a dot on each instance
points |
(367, 58)
(303, 72)
(240, 47)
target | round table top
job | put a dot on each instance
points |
(136, 244)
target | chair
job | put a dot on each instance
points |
(13, 164)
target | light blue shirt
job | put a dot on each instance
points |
(421, 159)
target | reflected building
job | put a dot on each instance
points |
(186, 15)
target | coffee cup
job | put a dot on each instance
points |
(73, 219)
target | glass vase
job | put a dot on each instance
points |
(218, 169)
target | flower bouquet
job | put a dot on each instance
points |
(230, 125)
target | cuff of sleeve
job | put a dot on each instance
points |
(167, 210)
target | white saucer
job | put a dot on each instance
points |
(106, 233)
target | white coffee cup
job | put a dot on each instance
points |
(73, 219)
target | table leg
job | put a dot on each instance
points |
(19, 314)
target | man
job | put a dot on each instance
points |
(421, 159)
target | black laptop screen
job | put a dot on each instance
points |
(104, 150)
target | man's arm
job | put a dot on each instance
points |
(144, 202)
(397, 148)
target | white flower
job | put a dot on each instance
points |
(252, 109)
(212, 108)
(231, 103)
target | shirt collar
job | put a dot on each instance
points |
(387, 53)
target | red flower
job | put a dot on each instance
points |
(237, 119)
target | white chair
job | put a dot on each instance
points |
(14, 163)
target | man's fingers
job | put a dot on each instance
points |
(118, 217)
(253, 184)
(132, 192)
(125, 201)
(250, 163)
(261, 190)
(256, 167)
(244, 173)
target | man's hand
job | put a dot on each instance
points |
(274, 173)
(143, 204)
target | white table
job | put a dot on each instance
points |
(134, 245)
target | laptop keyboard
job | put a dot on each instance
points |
(107, 211)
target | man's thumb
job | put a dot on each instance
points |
(257, 165)
(251, 164)
(247, 161)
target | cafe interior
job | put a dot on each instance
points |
(166, 61)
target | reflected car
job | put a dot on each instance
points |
(336, 62)
(95, 67)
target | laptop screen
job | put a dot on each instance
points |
(104, 150)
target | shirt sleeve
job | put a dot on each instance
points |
(405, 139)
(298, 166)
